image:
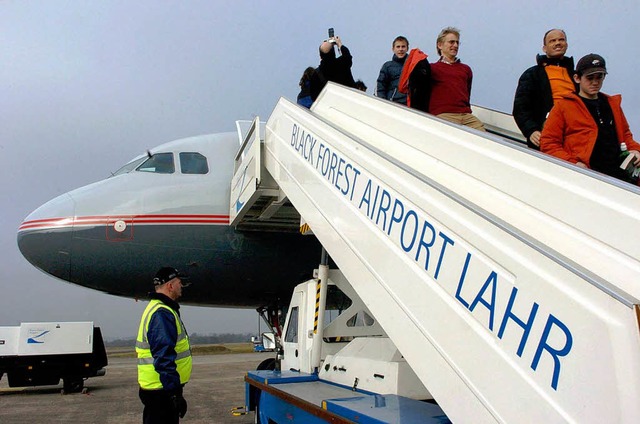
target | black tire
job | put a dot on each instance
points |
(72, 385)
(17, 379)
(267, 365)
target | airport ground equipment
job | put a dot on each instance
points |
(506, 280)
(43, 353)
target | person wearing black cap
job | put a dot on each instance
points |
(587, 128)
(163, 350)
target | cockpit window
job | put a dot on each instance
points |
(160, 163)
(193, 163)
(130, 166)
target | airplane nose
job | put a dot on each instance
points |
(44, 238)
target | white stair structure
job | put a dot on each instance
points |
(508, 280)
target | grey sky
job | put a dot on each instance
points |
(87, 85)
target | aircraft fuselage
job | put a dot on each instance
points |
(113, 235)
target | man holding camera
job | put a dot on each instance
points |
(335, 66)
(163, 350)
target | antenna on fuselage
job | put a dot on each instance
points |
(149, 154)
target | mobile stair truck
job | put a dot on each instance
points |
(478, 281)
(43, 353)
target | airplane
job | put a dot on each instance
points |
(169, 207)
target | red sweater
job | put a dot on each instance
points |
(451, 88)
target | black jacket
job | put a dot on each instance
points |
(420, 86)
(533, 99)
(332, 69)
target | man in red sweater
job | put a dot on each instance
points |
(451, 83)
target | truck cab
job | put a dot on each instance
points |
(357, 360)
(43, 353)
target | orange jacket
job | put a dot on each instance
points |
(570, 131)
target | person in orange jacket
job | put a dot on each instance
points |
(587, 128)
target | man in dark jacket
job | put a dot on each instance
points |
(335, 66)
(541, 84)
(163, 350)
(390, 72)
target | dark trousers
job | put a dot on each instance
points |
(158, 408)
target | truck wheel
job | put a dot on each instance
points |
(17, 379)
(267, 365)
(72, 385)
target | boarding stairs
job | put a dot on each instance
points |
(509, 280)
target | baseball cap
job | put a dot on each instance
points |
(166, 274)
(591, 64)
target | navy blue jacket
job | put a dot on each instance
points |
(304, 97)
(388, 79)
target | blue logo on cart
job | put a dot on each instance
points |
(33, 339)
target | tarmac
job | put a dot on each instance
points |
(216, 386)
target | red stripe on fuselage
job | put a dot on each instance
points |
(57, 223)
(47, 223)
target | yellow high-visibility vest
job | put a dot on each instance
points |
(148, 378)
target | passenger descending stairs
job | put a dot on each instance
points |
(508, 280)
